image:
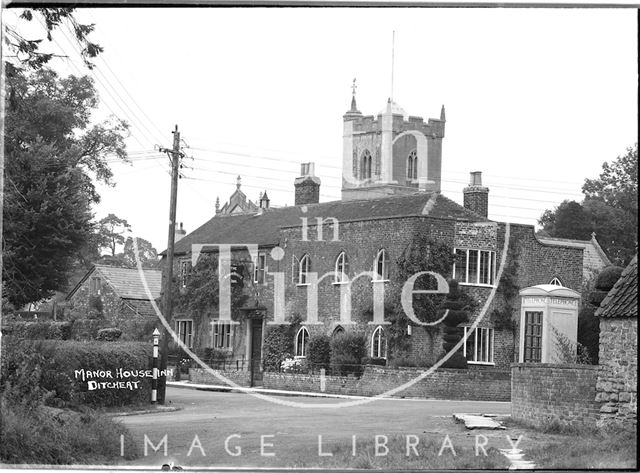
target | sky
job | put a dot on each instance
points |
(536, 99)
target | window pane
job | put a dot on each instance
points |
(460, 266)
(485, 260)
(473, 267)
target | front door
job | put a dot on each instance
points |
(256, 352)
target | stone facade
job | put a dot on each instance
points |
(618, 380)
(543, 393)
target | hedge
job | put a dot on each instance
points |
(347, 351)
(57, 367)
(39, 330)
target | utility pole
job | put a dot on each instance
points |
(175, 156)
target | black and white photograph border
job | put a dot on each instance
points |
(237, 237)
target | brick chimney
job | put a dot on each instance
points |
(179, 233)
(476, 197)
(307, 185)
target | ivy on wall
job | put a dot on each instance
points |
(509, 288)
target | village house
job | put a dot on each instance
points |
(315, 254)
(617, 382)
(115, 294)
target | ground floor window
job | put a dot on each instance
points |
(184, 330)
(378, 343)
(532, 337)
(302, 339)
(479, 345)
(221, 334)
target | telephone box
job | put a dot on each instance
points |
(548, 321)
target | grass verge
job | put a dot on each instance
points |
(48, 437)
(397, 456)
(557, 446)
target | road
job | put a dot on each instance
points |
(254, 428)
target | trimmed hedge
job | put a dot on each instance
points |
(347, 351)
(319, 352)
(56, 367)
(44, 330)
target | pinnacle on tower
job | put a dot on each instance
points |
(442, 115)
(354, 108)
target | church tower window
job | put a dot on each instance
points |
(366, 165)
(412, 165)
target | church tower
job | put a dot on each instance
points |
(392, 153)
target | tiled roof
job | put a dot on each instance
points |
(142, 308)
(128, 283)
(622, 300)
(264, 228)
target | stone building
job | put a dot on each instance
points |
(114, 294)
(618, 379)
(335, 264)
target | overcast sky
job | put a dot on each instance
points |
(536, 99)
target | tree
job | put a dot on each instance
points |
(147, 254)
(610, 209)
(569, 219)
(27, 53)
(51, 155)
(111, 232)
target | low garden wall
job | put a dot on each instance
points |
(201, 376)
(544, 393)
(471, 384)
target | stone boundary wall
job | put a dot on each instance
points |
(542, 393)
(479, 385)
(200, 376)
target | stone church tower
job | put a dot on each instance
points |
(393, 153)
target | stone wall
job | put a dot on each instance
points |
(617, 382)
(469, 384)
(542, 393)
(200, 376)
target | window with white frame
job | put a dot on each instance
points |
(378, 343)
(221, 334)
(478, 347)
(342, 268)
(304, 269)
(184, 330)
(474, 267)
(381, 266)
(260, 269)
(556, 282)
(185, 269)
(302, 340)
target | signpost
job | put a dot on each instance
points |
(154, 381)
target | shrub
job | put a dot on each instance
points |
(319, 352)
(347, 351)
(109, 334)
(278, 344)
(372, 360)
(46, 370)
(40, 436)
(608, 277)
(45, 330)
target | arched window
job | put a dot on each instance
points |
(366, 165)
(302, 338)
(378, 343)
(556, 282)
(337, 331)
(412, 165)
(381, 267)
(304, 268)
(342, 268)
